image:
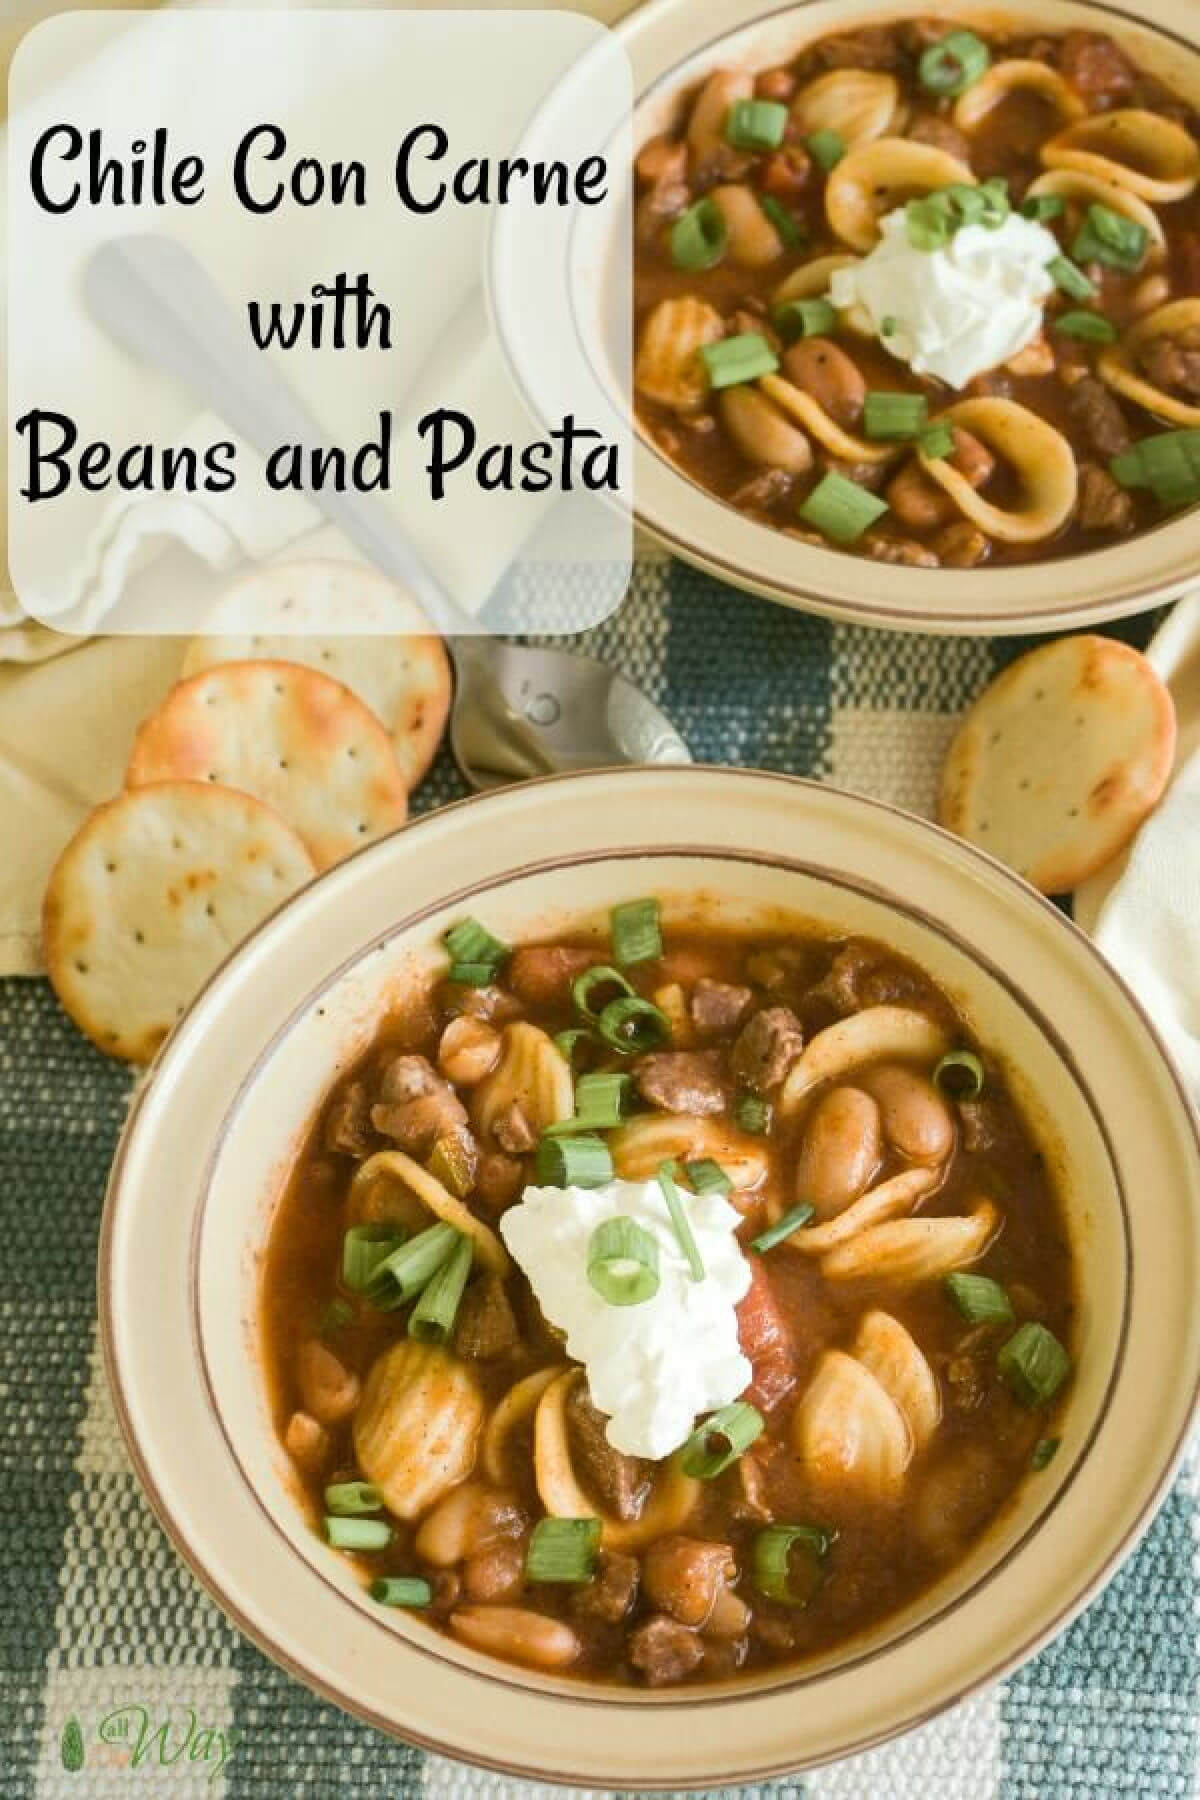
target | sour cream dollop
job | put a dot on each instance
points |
(653, 1367)
(955, 312)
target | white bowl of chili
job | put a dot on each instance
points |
(205, 1182)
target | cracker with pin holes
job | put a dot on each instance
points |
(152, 893)
(401, 671)
(295, 739)
(1059, 760)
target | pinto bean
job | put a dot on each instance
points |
(495, 1574)
(916, 1120)
(515, 1633)
(683, 1576)
(1037, 358)
(306, 1442)
(729, 1618)
(328, 1389)
(1151, 291)
(469, 1050)
(919, 502)
(752, 242)
(962, 545)
(841, 1152)
(761, 432)
(775, 84)
(541, 974)
(833, 379)
(663, 159)
(709, 152)
(470, 1519)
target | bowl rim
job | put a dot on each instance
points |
(498, 1675)
(746, 554)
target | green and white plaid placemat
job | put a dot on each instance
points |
(99, 1619)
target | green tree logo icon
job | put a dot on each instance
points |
(71, 1746)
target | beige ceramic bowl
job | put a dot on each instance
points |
(209, 1143)
(674, 45)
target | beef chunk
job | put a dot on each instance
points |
(764, 490)
(494, 1574)
(683, 1576)
(611, 1592)
(875, 47)
(768, 1046)
(962, 545)
(486, 1326)
(1173, 363)
(1098, 415)
(622, 1482)
(766, 1341)
(1103, 504)
(513, 1132)
(348, 1122)
(1187, 261)
(498, 1180)
(905, 551)
(929, 128)
(861, 975)
(664, 1651)
(541, 974)
(1101, 71)
(416, 1106)
(683, 1081)
(718, 1005)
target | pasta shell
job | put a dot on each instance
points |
(886, 1349)
(642, 1146)
(811, 281)
(670, 1504)
(763, 435)
(1017, 75)
(891, 1198)
(519, 1402)
(533, 1074)
(859, 104)
(418, 1193)
(1091, 190)
(864, 1037)
(1117, 363)
(1040, 455)
(417, 1426)
(849, 1433)
(879, 176)
(1142, 151)
(751, 240)
(909, 1250)
(668, 367)
(800, 405)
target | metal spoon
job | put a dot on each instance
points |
(517, 712)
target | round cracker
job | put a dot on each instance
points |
(149, 897)
(403, 676)
(293, 738)
(1060, 759)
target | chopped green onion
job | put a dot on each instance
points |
(782, 1228)
(357, 1534)
(997, 204)
(756, 124)
(335, 1317)
(889, 325)
(1034, 1364)
(636, 932)
(803, 318)
(679, 1219)
(895, 415)
(348, 1499)
(775, 1572)
(792, 234)
(583, 1162)
(1167, 463)
(365, 1248)
(840, 509)
(928, 223)
(1070, 280)
(432, 1318)
(600, 1102)
(450, 1162)
(1111, 238)
(953, 64)
(401, 1590)
(599, 975)
(717, 1443)
(1044, 1453)
(753, 1113)
(472, 974)
(937, 439)
(960, 1073)
(733, 360)
(405, 1272)
(471, 942)
(699, 236)
(632, 1024)
(567, 1042)
(968, 199)
(1043, 206)
(1088, 327)
(826, 148)
(979, 1299)
(622, 1262)
(707, 1177)
(563, 1550)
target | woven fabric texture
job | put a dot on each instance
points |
(97, 1613)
